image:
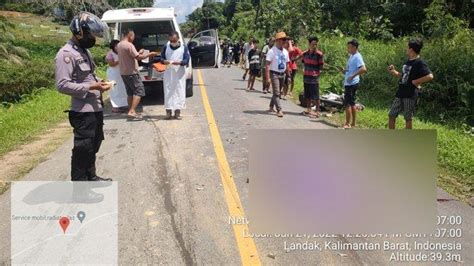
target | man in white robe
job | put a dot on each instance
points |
(175, 56)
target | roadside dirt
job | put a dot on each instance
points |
(20, 161)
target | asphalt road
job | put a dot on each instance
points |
(173, 208)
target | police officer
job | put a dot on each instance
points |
(75, 77)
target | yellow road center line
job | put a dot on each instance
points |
(246, 245)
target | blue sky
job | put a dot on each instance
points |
(182, 7)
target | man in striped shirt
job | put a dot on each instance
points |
(313, 65)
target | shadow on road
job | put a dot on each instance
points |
(264, 112)
(252, 91)
(258, 112)
(322, 121)
(65, 193)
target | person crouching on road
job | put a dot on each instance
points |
(277, 64)
(313, 65)
(128, 64)
(254, 63)
(176, 56)
(75, 76)
(355, 67)
(415, 72)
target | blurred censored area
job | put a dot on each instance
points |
(342, 182)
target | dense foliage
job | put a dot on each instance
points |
(369, 19)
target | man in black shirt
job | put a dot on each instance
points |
(415, 72)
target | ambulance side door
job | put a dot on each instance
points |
(204, 49)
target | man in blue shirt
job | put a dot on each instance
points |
(355, 67)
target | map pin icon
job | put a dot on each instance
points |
(64, 223)
(81, 216)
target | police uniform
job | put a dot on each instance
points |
(74, 76)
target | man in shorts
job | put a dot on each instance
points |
(313, 65)
(415, 72)
(254, 62)
(128, 58)
(355, 67)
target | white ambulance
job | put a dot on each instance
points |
(151, 27)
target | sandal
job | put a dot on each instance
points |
(314, 114)
(135, 117)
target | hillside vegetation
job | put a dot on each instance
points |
(30, 102)
(29, 63)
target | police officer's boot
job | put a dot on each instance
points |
(92, 176)
(82, 193)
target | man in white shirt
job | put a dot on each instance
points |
(277, 64)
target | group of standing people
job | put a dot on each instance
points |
(75, 76)
(231, 52)
(278, 60)
(123, 68)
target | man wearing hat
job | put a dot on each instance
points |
(75, 76)
(277, 64)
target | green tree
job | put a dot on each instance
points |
(440, 23)
(131, 3)
(209, 16)
(230, 8)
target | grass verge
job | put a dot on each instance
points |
(20, 123)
